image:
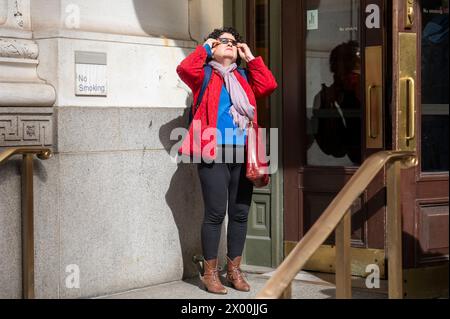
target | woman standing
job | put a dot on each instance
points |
(228, 106)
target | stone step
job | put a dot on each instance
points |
(302, 288)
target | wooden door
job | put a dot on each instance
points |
(335, 113)
(424, 24)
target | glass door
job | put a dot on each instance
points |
(337, 116)
(344, 47)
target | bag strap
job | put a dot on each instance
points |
(208, 73)
(243, 72)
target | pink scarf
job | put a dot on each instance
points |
(241, 110)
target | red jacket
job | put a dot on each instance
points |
(260, 83)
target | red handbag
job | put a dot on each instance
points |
(256, 170)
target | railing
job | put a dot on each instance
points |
(338, 216)
(27, 211)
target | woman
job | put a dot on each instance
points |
(228, 106)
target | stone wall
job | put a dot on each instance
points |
(110, 200)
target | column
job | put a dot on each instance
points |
(25, 99)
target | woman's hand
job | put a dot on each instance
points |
(244, 52)
(212, 43)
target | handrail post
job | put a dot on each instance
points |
(343, 258)
(27, 205)
(394, 231)
(338, 211)
(27, 227)
(287, 293)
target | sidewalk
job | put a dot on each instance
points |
(306, 286)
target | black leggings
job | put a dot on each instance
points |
(221, 182)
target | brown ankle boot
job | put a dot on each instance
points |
(234, 274)
(211, 278)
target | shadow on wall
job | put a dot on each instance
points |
(184, 195)
(184, 198)
(158, 18)
(169, 18)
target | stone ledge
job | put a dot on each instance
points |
(26, 94)
(15, 33)
(109, 37)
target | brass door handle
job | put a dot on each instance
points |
(406, 108)
(372, 127)
(410, 109)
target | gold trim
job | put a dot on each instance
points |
(410, 104)
(40, 152)
(407, 55)
(374, 96)
(324, 259)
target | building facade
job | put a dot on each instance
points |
(110, 201)
(95, 81)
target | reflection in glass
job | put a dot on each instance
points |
(435, 88)
(333, 80)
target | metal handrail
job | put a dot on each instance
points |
(41, 153)
(27, 210)
(337, 215)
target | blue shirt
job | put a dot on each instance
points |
(230, 133)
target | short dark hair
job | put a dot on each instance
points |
(218, 32)
(344, 58)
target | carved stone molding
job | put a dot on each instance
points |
(18, 48)
(20, 84)
(26, 130)
(15, 14)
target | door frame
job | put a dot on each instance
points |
(294, 120)
(295, 117)
(417, 184)
(236, 14)
(414, 189)
(423, 277)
